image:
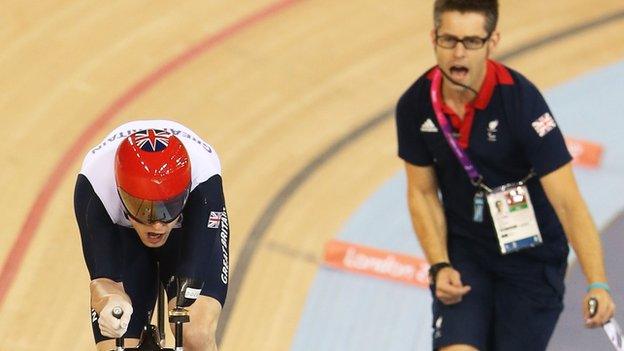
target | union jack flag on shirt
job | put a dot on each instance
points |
(214, 221)
(152, 140)
(544, 124)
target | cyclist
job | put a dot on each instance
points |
(150, 195)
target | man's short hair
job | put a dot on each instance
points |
(489, 8)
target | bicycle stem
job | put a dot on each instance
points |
(179, 344)
(119, 344)
(179, 316)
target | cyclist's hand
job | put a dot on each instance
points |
(110, 325)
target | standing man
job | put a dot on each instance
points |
(474, 133)
(150, 195)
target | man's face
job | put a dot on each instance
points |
(153, 235)
(463, 65)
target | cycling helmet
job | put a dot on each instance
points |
(153, 174)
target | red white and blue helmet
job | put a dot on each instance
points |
(153, 174)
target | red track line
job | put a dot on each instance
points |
(33, 219)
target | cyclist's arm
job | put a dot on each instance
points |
(205, 219)
(100, 244)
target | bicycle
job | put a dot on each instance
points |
(153, 337)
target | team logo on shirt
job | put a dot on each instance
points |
(152, 140)
(491, 130)
(438, 328)
(214, 220)
(225, 232)
(428, 127)
(544, 124)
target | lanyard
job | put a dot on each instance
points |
(475, 177)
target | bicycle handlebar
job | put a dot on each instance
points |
(119, 342)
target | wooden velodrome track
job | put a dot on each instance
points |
(272, 85)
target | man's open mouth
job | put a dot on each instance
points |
(459, 72)
(154, 237)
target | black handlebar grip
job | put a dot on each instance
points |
(592, 306)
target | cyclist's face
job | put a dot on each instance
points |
(155, 234)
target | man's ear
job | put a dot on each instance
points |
(494, 39)
(432, 34)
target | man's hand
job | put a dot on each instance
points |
(449, 288)
(110, 325)
(606, 308)
(107, 294)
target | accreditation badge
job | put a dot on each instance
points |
(514, 218)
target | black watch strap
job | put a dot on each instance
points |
(434, 269)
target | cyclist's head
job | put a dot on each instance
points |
(153, 173)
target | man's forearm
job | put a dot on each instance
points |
(429, 224)
(582, 234)
(102, 289)
(566, 199)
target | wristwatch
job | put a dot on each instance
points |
(434, 269)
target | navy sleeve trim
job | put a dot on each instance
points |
(553, 166)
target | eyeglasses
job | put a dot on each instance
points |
(470, 43)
